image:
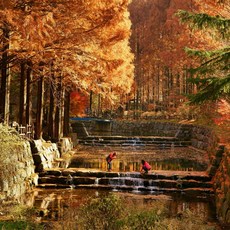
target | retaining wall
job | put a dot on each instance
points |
(16, 165)
(222, 189)
(49, 155)
(20, 160)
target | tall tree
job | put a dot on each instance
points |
(81, 39)
(5, 76)
(212, 76)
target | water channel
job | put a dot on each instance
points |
(61, 204)
(59, 208)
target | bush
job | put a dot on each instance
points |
(101, 213)
(114, 213)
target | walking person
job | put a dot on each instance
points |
(145, 167)
(109, 159)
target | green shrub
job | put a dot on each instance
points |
(19, 225)
(101, 213)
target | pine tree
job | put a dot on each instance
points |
(212, 76)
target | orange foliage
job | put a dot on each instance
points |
(223, 112)
(78, 104)
(87, 42)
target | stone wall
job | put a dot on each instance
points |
(131, 128)
(16, 165)
(222, 189)
(20, 160)
(203, 138)
(206, 140)
(49, 155)
(145, 128)
(44, 154)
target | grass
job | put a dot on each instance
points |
(19, 225)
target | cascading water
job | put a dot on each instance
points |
(97, 181)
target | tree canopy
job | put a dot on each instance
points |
(70, 45)
(80, 38)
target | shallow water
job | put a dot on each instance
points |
(128, 159)
(63, 204)
(130, 165)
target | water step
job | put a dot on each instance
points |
(118, 181)
(189, 191)
(158, 174)
(137, 141)
(171, 181)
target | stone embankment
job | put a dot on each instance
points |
(49, 155)
(18, 163)
(222, 189)
(17, 174)
(22, 159)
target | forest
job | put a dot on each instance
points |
(140, 59)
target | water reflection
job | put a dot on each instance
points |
(63, 205)
(130, 165)
(128, 159)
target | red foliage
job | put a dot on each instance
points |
(223, 112)
(78, 103)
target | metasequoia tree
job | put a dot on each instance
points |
(158, 40)
(24, 41)
(69, 45)
(5, 76)
(154, 41)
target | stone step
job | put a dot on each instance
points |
(158, 174)
(142, 144)
(137, 141)
(133, 138)
(150, 189)
(118, 181)
(170, 181)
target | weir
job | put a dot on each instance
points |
(140, 141)
(192, 183)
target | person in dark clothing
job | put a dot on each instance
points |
(109, 159)
(145, 166)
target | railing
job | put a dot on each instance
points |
(24, 131)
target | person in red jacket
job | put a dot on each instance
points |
(109, 159)
(145, 166)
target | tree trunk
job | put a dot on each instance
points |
(59, 114)
(40, 104)
(52, 108)
(51, 113)
(90, 102)
(22, 103)
(66, 113)
(28, 94)
(98, 105)
(56, 128)
(5, 81)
